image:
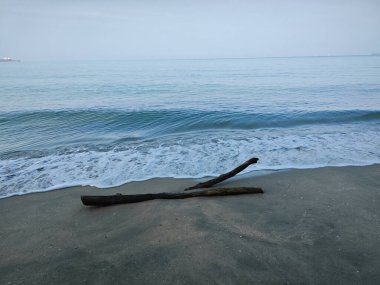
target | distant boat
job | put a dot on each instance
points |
(8, 59)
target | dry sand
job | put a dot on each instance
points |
(317, 226)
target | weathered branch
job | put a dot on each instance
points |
(225, 176)
(121, 199)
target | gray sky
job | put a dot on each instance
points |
(52, 29)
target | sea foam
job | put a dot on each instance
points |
(195, 154)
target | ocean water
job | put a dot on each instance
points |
(109, 122)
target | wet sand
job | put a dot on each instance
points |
(315, 226)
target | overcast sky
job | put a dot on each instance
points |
(52, 29)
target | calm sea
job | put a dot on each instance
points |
(107, 123)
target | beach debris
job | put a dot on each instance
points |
(135, 198)
(224, 176)
(121, 199)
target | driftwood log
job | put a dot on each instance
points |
(121, 199)
(224, 176)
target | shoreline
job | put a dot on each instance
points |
(314, 226)
(245, 174)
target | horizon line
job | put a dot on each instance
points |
(196, 58)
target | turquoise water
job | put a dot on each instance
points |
(107, 123)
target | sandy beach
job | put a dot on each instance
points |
(313, 226)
